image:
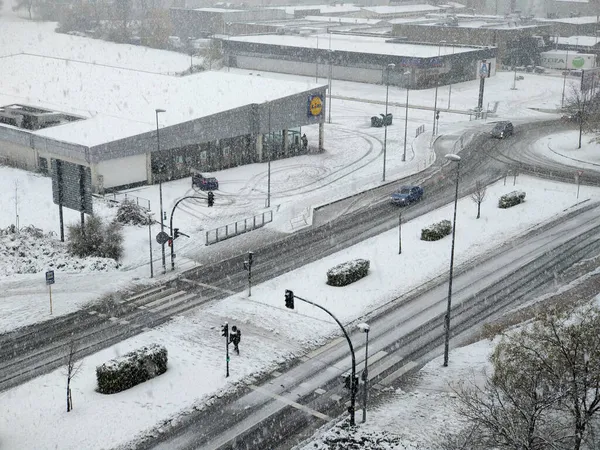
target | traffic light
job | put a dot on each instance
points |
(348, 382)
(211, 198)
(289, 299)
(170, 242)
(175, 233)
(437, 115)
(225, 330)
(250, 254)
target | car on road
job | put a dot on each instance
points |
(502, 130)
(407, 195)
(206, 182)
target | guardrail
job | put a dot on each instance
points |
(240, 227)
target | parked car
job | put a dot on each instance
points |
(205, 182)
(502, 130)
(381, 121)
(407, 195)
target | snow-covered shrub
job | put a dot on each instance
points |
(131, 369)
(97, 239)
(436, 231)
(130, 213)
(348, 272)
(511, 199)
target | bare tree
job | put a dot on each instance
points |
(72, 369)
(478, 196)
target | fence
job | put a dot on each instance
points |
(118, 197)
(420, 130)
(240, 227)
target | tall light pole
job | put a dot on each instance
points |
(562, 101)
(437, 83)
(330, 54)
(317, 62)
(407, 73)
(385, 121)
(456, 159)
(450, 88)
(161, 172)
(269, 162)
(150, 214)
(365, 328)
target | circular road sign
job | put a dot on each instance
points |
(162, 237)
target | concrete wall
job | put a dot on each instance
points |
(121, 171)
(18, 155)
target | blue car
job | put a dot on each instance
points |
(407, 195)
(205, 182)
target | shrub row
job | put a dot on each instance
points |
(348, 272)
(131, 369)
(511, 199)
(436, 231)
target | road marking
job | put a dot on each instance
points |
(398, 373)
(92, 312)
(324, 348)
(113, 319)
(320, 391)
(292, 403)
(335, 398)
(197, 283)
(276, 373)
(124, 322)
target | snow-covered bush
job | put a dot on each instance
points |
(436, 231)
(511, 199)
(131, 369)
(96, 239)
(130, 213)
(30, 250)
(348, 272)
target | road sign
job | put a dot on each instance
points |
(50, 277)
(580, 172)
(162, 238)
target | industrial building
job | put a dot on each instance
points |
(130, 126)
(358, 58)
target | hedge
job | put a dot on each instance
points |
(511, 199)
(436, 231)
(348, 272)
(131, 369)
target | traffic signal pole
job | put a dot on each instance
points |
(353, 383)
(171, 227)
(225, 334)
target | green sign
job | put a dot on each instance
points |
(578, 62)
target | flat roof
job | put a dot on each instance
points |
(401, 9)
(585, 41)
(343, 20)
(573, 20)
(219, 10)
(119, 103)
(357, 44)
(324, 9)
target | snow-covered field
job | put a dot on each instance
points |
(351, 163)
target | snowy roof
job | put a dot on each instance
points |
(401, 9)
(584, 41)
(344, 20)
(119, 103)
(218, 10)
(574, 20)
(357, 44)
(324, 9)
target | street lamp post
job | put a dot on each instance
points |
(365, 328)
(330, 54)
(385, 121)
(161, 171)
(456, 159)
(437, 83)
(407, 73)
(150, 214)
(562, 101)
(450, 87)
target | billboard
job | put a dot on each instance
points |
(315, 105)
(72, 186)
(563, 59)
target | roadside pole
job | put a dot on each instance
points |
(400, 234)
(50, 282)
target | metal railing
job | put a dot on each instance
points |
(119, 197)
(240, 227)
(420, 129)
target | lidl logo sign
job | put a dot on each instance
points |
(578, 62)
(315, 105)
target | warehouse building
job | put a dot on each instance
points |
(111, 120)
(358, 58)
